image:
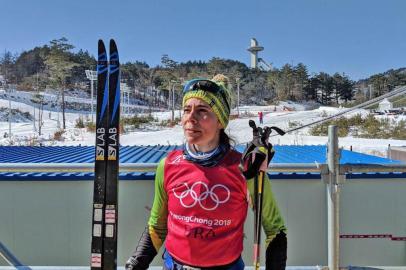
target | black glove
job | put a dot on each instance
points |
(257, 151)
(276, 253)
(143, 254)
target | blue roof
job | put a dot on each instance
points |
(152, 154)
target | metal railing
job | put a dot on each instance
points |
(151, 167)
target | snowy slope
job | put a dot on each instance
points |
(23, 133)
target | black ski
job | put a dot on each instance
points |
(104, 222)
(100, 158)
(111, 211)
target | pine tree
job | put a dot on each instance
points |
(59, 66)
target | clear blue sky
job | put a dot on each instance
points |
(357, 37)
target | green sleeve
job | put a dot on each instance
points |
(272, 220)
(159, 212)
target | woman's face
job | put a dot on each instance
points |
(200, 124)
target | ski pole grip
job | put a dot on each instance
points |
(252, 124)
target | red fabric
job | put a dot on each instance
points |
(207, 208)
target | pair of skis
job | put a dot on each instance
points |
(105, 196)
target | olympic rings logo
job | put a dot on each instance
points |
(207, 194)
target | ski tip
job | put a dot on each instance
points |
(113, 53)
(101, 46)
(113, 46)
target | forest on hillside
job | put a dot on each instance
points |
(58, 66)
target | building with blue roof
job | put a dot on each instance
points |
(287, 154)
(152, 154)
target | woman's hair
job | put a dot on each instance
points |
(226, 140)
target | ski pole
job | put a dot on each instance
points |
(263, 135)
(254, 164)
(258, 214)
(257, 223)
(258, 188)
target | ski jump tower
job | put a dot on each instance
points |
(254, 49)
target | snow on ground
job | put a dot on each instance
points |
(24, 134)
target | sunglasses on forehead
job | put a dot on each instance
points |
(205, 85)
(202, 84)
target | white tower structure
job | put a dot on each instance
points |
(254, 49)
(125, 97)
(92, 76)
